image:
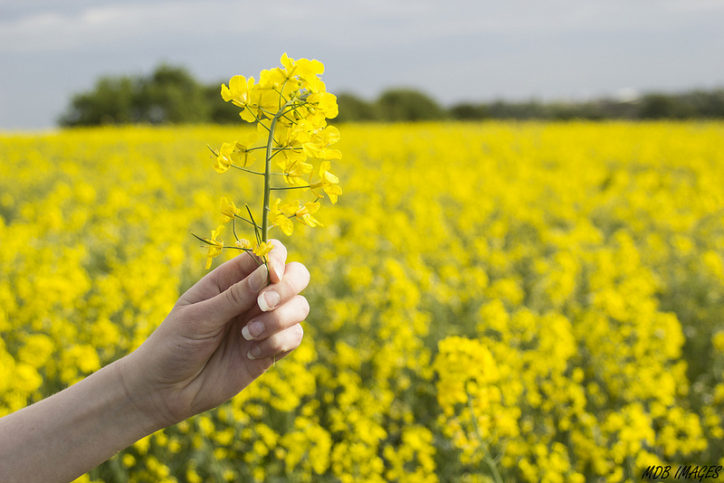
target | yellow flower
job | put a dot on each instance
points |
(243, 243)
(238, 91)
(235, 153)
(223, 159)
(271, 78)
(329, 183)
(304, 214)
(290, 107)
(318, 145)
(128, 460)
(325, 102)
(256, 100)
(295, 170)
(228, 209)
(215, 246)
(263, 249)
(718, 341)
(263, 103)
(304, 68)
(280, 213)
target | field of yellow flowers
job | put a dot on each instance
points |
(539, 302)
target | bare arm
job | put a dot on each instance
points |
(67, 434)
(204, 353)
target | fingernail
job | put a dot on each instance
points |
(279, 271)
(252, 330)
(268, 300)
(253, 353)
(257, 279)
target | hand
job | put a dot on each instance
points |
(199, 357)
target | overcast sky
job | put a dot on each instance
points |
(454, 50)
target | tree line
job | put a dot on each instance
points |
(171, 95)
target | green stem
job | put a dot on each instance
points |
(287, 148)
(248, 250)
(247, 221)
(267, 178)
(267, 174)
(246, 170)
(282, 188)
(486, 455)
(295, 106)
(256, 227)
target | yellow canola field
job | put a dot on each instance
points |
(537, 302)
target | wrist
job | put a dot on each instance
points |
(140, 399)
(74, 430)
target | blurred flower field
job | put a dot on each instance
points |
(527, 302)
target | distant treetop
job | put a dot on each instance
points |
(171, 95)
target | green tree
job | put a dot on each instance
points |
(408, 105)
(172, 95)
(112, 101)
(467, 112)
(355, 109)
(657, 106)
(220, 112)
(169, 95)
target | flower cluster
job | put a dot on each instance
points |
(557, 316)
(290, 107)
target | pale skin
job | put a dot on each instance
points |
(198, 358)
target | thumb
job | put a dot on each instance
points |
(238, 298)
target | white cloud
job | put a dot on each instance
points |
(474, 49)
(80, 24)
(113, 23)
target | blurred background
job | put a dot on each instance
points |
(156, 61)
(492, 301)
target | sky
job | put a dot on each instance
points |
(454, 50)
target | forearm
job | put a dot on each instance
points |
(71, 432)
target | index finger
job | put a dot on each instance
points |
(277, 261)
(233, 271)
(229, 273)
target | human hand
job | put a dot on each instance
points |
(199, 357)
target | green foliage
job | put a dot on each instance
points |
(170, 95)
(467, 111)
(356, 109)
(112, 101)
(408, 105)
(220, 112)
(688, 105)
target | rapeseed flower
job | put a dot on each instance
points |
(289, 106)
(578, 286)
(215, 245)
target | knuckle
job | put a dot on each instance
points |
(235, 294)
